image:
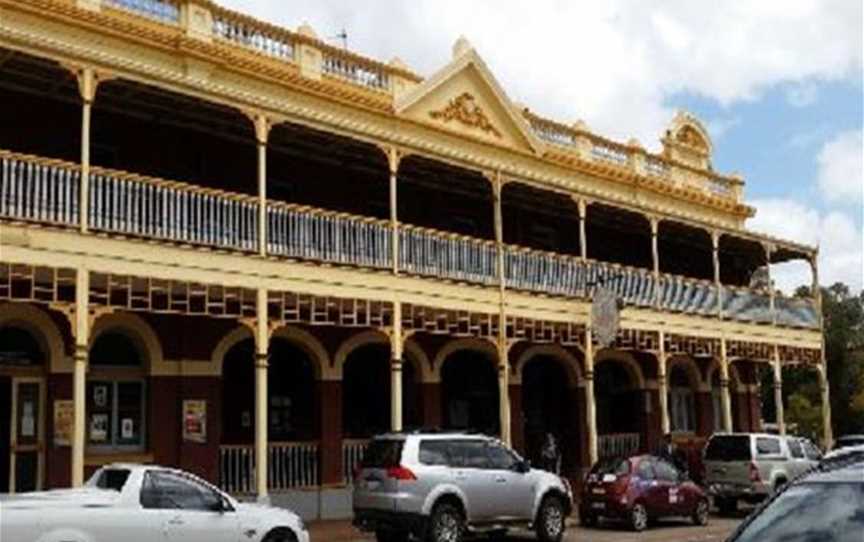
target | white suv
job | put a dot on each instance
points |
(751, 466)
(440, 486)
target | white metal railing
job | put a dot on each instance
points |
(796, 312)
(237, 469)
(744, 304)
(293, 465)
(269, 41)
(352, 456)
(355, 71)
(429, 252)
(167, 11)
(618, 445)
(47, 191)
(304, 232)
(173, 211)
(43, 191)
(290, 465)
(681, 294)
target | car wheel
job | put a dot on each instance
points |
(551, 519)
(280, 535)
(700, 514)
(727, 505)
(446, 524)
(638, 517)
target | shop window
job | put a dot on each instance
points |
(116, 396)
(681, 402)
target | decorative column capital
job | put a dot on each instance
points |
(88, 79)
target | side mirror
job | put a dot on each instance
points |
(218, 505)
(523, 467)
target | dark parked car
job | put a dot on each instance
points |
(823, 505)
(640, 489)
(847, 441)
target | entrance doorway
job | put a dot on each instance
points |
(22, 408)
(21, 434)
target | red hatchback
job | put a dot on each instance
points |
(640, 489)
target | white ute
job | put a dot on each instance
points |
(143, 503)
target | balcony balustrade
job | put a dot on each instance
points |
(34, 189)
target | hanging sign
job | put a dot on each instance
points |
(195, 421)
(605, 317)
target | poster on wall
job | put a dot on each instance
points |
(100, 396)
(195, 420)
(127, 429)
(99, 428)
(63, 412)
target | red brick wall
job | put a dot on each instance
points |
(58, 459)
(517, 420)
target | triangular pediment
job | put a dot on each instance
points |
(464, 98)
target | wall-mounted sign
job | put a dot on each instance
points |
(195, 420)
(63, 416)
(605, 317)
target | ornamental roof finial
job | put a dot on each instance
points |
(461, 47)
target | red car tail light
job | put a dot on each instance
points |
(754, 473)
(401, 473)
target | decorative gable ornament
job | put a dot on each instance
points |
(687, 141)
(605, 317)
(464, 109)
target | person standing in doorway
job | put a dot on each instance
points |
(550, 454)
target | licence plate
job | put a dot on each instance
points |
(598, 491)
(598, 505)
(372, 485)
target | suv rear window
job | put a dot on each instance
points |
(434, 452)
(728, 448)
(767, 446)
(383, 453)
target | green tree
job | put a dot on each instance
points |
(844, 341)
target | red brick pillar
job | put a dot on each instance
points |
(577, 435)
(58, 459)
(704, 414)
(755, 404)
(649, 408)
(517, 419)
(329, 410)
(430, 404)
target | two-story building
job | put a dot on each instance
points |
(233, 248)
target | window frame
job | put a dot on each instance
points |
(112, 446)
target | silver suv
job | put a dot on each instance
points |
(751, 466)
(440, 486)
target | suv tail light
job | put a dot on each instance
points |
(400, 473)
(754, 473)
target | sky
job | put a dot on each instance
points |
(778, 83)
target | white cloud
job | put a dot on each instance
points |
(611, 63)
(841, 169)
(840, 241)
(802, 95)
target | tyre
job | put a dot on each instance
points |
(551, 518)
(446, 524)
(700, 513)
(726, 505)
(280, 535)
(638, 517)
